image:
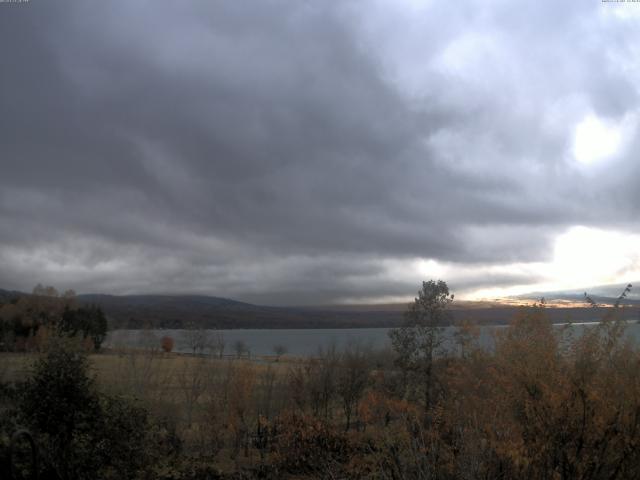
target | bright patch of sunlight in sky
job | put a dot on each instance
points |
(582, 257)
(590, 256)
(595, 140)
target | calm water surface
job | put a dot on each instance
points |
(300, 341)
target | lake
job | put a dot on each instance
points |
(300, 342)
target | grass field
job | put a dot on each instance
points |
(109, 366)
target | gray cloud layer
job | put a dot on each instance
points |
(283, 151)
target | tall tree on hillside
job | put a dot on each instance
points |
(418, 339)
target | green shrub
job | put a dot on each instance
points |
(82, 434)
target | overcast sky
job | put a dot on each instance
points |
(307, 152)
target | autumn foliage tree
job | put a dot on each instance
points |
(27, 321)
(166, 343)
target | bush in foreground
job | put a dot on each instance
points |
(81, 434)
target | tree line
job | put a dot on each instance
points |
(28, 321)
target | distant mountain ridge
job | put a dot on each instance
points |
(202, 311)
(602, 294)
(188, 311)
(159, 299)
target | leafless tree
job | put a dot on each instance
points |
(192, 383)
(353, 376)
(321, 381)
(217, 344)
(240, 347)
(266, 385)
(198, 339)
(279, 350)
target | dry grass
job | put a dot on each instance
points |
(110, 367)
(192, 393)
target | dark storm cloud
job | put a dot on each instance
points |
(284, 151)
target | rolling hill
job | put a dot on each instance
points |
(201, 311)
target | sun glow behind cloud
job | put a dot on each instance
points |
(442, 141)
(582, 257)
(596, 140)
